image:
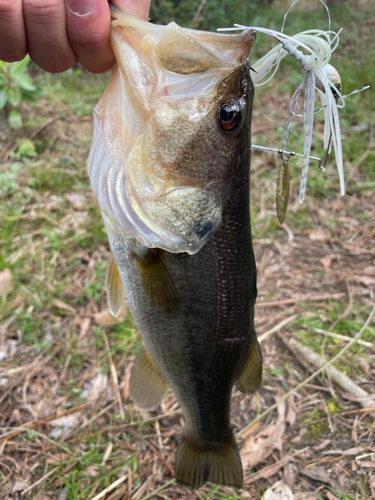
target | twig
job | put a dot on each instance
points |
(158, 490)
(342, 380)
(301, 299)
(341, 337)
(302, 384)
(39, 481)
(276, 328)
(111, 487)
(16, 430)
(39, 434)
(196, 19)
(114, 378)
(99, 414)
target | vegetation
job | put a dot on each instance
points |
(60, 348)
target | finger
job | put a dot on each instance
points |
(47, 40)
(12, 31)
(88, 25)
(136, 8)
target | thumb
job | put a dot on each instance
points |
(136, 8)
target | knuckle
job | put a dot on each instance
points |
(43, 12)
(92, 42)
(7, 8)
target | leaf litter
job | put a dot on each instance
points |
(61, 433)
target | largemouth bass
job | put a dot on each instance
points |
(170, 167)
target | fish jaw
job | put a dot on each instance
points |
(159, 160)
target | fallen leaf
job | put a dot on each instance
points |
(257, 448)
(70, 420)
(367, 464)
(42, 495)
(331, 496)
(92, 470)
(78, 200)
(56, 459)
(279, 491)
(322, 475)
(319, 235)
(326, 261)
(99, 385)
(267, 472)
(322, 445)
(105, 318)
(62, 305)
(290, 475)
(20, 485)
(6, 283)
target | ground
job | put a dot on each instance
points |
(67, 427)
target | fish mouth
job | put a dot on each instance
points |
(162, 101)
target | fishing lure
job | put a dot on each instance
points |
(319, 75)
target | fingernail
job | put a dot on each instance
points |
(81, 7)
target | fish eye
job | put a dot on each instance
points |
(229, 115)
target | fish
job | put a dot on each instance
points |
(170, 167)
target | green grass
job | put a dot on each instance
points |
(51, 247)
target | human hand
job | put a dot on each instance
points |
(57, 33)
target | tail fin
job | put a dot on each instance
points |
(196, 465)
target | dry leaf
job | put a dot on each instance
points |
(367, 464)
(105, 318)
(322, 445)
(279, 491)
(20, 485)
(6, 283)
(319, 235)
(322, 475)
(62, 305)
(65, 425)
(56, 459)
(99, 385)
(331, 496)
(78, 200)
(257, 448)
(326, 261)
(290, 475)
(42, 495)
(92, 470)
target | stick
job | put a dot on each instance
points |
(114, 378)
(276, 328)
(39, 481)
(342, 380)
(341, 337)
(302, 384)
(301, 299)
(110, 487)
(158, 490)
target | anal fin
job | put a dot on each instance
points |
(251, 375)
(196, 465)
(147, 386)
(114, 288)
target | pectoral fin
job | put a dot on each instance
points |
(157, 282)
(114, 288)
(147, 386)
(251, 376)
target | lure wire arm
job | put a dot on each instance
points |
(286, 154)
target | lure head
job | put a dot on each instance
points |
(334, 78)
(170, 130)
